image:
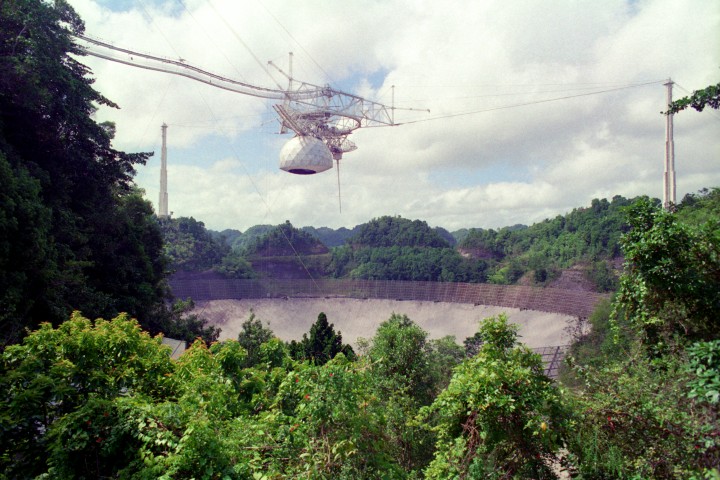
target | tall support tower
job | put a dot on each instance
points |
(669, 174)
(163, 203)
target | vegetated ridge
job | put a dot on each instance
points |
(578, 250)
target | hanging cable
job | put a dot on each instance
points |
(327, 75)
(536, 102)
(261, 64)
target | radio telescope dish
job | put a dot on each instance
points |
(305, 155)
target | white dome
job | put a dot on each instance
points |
(305, 155)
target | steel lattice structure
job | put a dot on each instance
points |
(309, 110)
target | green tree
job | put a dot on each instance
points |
(252, 336)
(88, 240)
(129, 261)
(645, 378)
(233, 265)
(322, 345)
(396, 231)
(473, 344)
(57, 391)
(403, 378)
(702, 208)
(285, 240)
(189, 246)
(179, 322)
(595, 344)
(104, 400)
(706, 97)
(634, 419)
(500, 417)
(399, 352)
(671, 283)
(24, 223)
(444, 354)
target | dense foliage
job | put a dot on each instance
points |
(74, 233)
(700, 208)
(641, 396)
(238, 240)
(670, 286)
(322, 345)
(189, 246)
(394, 248)
(397, 232)
(406, 263)
(285, 240)
(647, 377)
(705, 97)
(500, 416)
(103, 399)
(588, 236)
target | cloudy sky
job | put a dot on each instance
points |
(536, 107)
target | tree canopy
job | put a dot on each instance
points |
(322, 345)
(189, 246)
(705, 97)
(397, 232)
(285, 240)
(77, 235)
(75, 232)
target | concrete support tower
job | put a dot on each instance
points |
(669, 174)
(163, 203)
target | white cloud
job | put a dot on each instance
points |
(495, 167)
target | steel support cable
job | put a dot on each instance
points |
(536, 102)
(180, 64)
(252, 90)
(327, 75)
(235, 34)
(216, 46)
(180, 73)
(296, 96)
(511, 94)
(262, 198)
(313, 96)
(192, 68)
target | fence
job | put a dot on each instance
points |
(552, 358)
(570, 302)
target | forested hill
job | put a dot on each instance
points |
(397, 232)
(588, 237)
(583, 234)
(331, 237)
(586, 240)
(580, 249)
(285, 240)
(640, 397)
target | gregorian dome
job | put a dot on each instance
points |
(305, 155)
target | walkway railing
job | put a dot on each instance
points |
(552, 358)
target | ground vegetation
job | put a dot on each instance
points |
(639, 397)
